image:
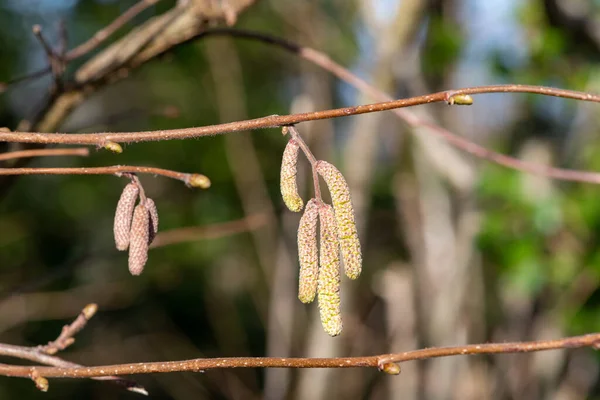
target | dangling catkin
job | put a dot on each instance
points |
(138, 246)
(308, 253)
(344, 214)
(329, 273)
(153, 211)
(289, 187)
(124, 214)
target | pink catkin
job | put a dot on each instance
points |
(344, 214)
(289, 168)
(308, 252)
(153, 211)
(123, 215)
(138, 246)
(329, 273)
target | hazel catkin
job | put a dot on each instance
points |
(308, 252)
(123, 215)
(344, 215)
(289, 169)
(329, 273)
(138, 246)
(153, 211)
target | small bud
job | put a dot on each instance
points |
(289, 187)
(112, 146)
(123, 215)
(41, 383)
(329, 273)
(390, 368)
(460, 100)
(89, 310)
(344, 214)
(308, 252)
(284, 130)
(198, 181)
(151, 207)
(138, 247)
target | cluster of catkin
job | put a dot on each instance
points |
(135, 226)
(320, 262)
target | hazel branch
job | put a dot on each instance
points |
(43, 354)
(381, 361)
(66, 337)
(91, 44)
(79, 151)
(325, 62)
(104, 33)
(192, 180)
(281, 120)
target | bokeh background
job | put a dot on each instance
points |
(457, 250)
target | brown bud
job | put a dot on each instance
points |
(329, 273)
(138, 246)
(308, 252)
(344, 214)
(390, 368)
(151, 207)
(289, 187)
(124, 214)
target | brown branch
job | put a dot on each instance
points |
(80, 151)
(193, 180)
(282, 120)
(410, 118)
(214, 231)
(42, 354)
(104, 33)
(89, 45)
(378, 361)
(66, 337)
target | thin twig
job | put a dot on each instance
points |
(281, 120)
(325, 62)
(214, 231)
(193, 180)
(79, 151)
(378, 361)
(66, 337)
(43, 354)
(99, 37)
(57, 63)
(311, 158)
(104, 33)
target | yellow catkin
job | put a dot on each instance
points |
(123, 215)
(344, 214)
(308, 252)
(329, 273)
(289, 187)
(153, 211)
(138, 246)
